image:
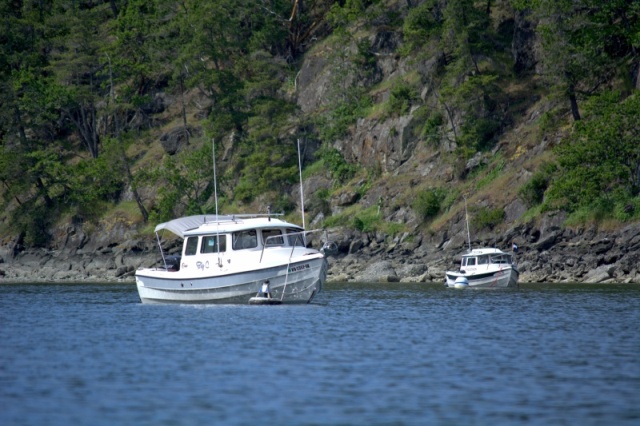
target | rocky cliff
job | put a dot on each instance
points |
(547, 253)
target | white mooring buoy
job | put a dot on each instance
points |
(461, 283)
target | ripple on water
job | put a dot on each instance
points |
(363, 354)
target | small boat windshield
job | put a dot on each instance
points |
(191, 246)
(503, 258)
(486, 259)
(295, 237)
(245, 239)
(213, 244)
(272, 237)
(468, 261)
(209, 244)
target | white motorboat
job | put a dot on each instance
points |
(227, 259)
(484, 268)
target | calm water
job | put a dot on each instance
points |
(362, 354)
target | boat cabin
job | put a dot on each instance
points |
(242, 240)
(228, 236)
(485, 257)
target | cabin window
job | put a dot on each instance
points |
(471, 261)
(191, 247)
(213, 244)
(483, 260)
(272, 237)
(245, 239)
(296, 238)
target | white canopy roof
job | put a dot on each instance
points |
(181, 225)
(481, 251)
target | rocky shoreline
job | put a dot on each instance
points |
(548, 253)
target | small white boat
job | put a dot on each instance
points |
(226, 259)
(484, 268)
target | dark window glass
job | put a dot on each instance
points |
(209, 244)
(192, 246)
(274, 240)
(245, 239)
(296, 239)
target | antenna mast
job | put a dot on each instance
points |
(301, 191)
(215, 181)
(466, 216)
(215, 194)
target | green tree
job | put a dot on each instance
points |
(423, 24)
(185, 184)
(77, 63)
(600, 160)
(585, 43)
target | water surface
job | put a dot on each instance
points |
(361, 354)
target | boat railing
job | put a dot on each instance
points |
(236, 218)
(299, 240)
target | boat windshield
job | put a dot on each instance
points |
(272, 237)
(503, 258)
(295, 237)
(245, 239)
(213, 244)
(191, 246)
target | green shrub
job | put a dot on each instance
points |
(600, 158)
(319, 201)
(487, 218)
(432, 131)
(334, 125)
(401, 97)
(282, 204)
(532, 192)
(478, 133)
(495, 171)
(428, 204)
(339, 168)
(628, 209)
(367, 220)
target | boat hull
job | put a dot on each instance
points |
(295, 282)
(504, 278)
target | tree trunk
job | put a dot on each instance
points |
(184, 109)
(84, 117)
(21, 131)
(43, 190)
(127, 169)
(574, 103)
(136, 195)
(114, 8)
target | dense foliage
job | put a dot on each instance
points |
(83, 83)
(600, 160)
